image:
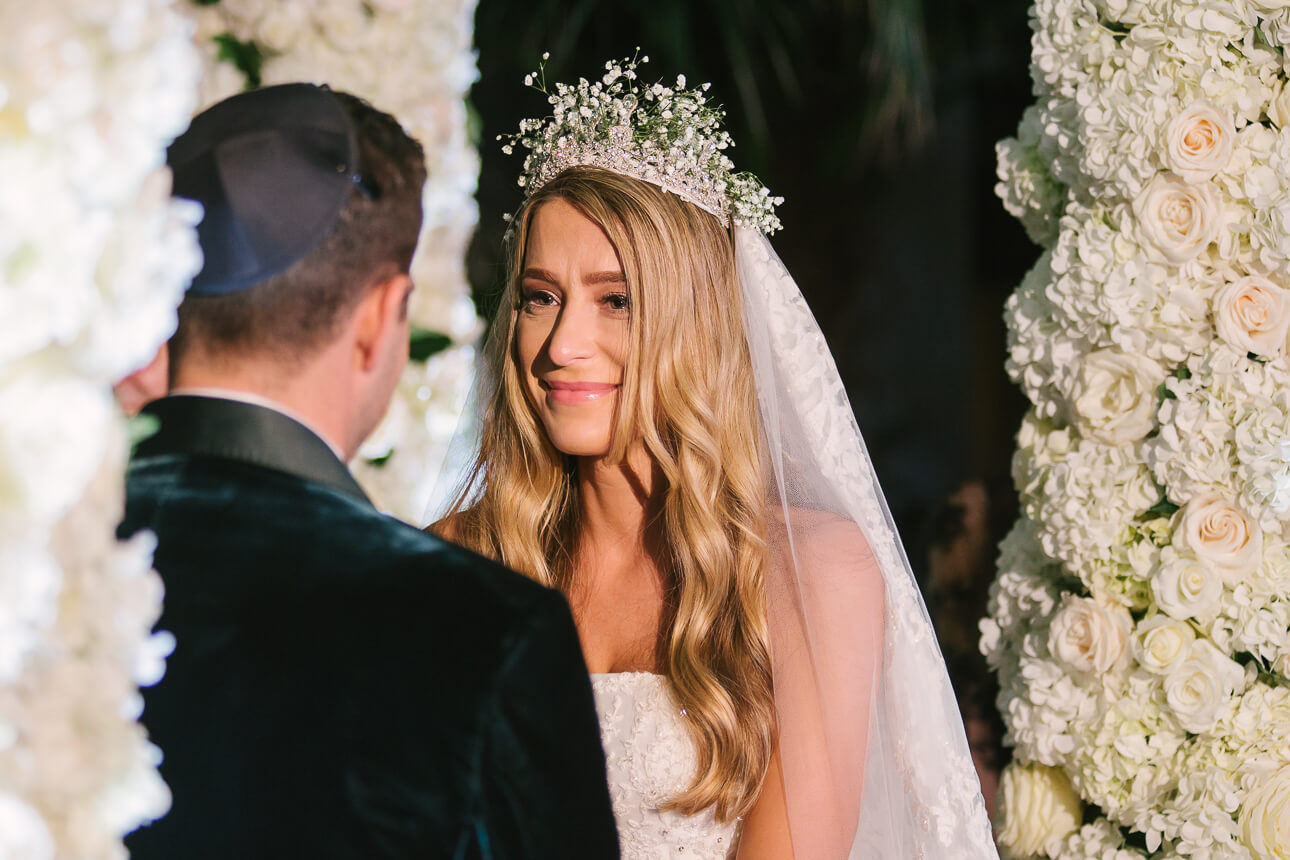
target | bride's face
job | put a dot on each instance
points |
(571, 331)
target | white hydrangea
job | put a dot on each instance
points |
(1112, 292)
(1083, 495)
(1226, 425)
(1101, 839)
(1253, 615)
(1028, 191)
(1126, 758)
(1042, 355)
(1044, 707)
(1264, 190)
(1222, 767)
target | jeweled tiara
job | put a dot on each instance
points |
(669, 136)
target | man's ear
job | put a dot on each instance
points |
(146, 384)
(380, 316)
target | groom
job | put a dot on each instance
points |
(343, 685)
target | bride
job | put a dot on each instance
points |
(667, 442)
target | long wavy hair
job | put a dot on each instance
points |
(688, 396)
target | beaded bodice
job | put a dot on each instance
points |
(650, 758)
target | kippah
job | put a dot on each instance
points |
(273, 169)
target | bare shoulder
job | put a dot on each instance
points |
(830, 546)
(816, 531)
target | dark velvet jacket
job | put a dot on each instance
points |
(344, 685)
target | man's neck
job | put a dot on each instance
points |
(257, 399)
(294, 401)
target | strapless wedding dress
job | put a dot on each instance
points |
(650, 759)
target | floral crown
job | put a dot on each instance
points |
(667, 136)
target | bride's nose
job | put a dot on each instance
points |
(573, 336)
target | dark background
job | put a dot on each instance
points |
(876, 120)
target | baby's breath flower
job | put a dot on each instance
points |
(663, 135)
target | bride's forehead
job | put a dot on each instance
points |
(556, 226)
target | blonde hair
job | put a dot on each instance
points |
(688, 396)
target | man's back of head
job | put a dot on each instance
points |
(313, 208)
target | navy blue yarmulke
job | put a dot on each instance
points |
(272, 168)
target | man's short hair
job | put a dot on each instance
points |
(290, 315)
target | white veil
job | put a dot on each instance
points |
(848, 625)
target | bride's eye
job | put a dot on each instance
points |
(533, 300)
(617, 302)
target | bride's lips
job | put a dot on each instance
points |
(578, 392)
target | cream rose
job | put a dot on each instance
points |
(1036, 806)
(1199, 688)
(1185, 587)
(1199, 141)
(1253, 315)
(1160, 643)
(1178, 218)
(1088, 637)
(1115, 396)
(1265, 818)
(1222, 535)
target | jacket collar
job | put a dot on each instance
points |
(215, 427)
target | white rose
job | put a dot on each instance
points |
(1160, 643)
(1199, 141)
(1177, 218)
(1037, 805)
(1115, 396)
(1253, 315)
(1265, 818)
(1200, 687)
(1222, 535)
(1087, 636)
(1185, 587)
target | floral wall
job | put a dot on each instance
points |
(1140, 621)
(94, 258)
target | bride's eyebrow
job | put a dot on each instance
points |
(593, 279)
(538, 275)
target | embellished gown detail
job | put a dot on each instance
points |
(649, 759)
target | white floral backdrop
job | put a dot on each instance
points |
(1140, 621)
(93, 260)
(94, 257)
(413, 59)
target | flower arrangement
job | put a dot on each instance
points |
(94, 256)
(670, 136)
(352, 45)
(1140, 620)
